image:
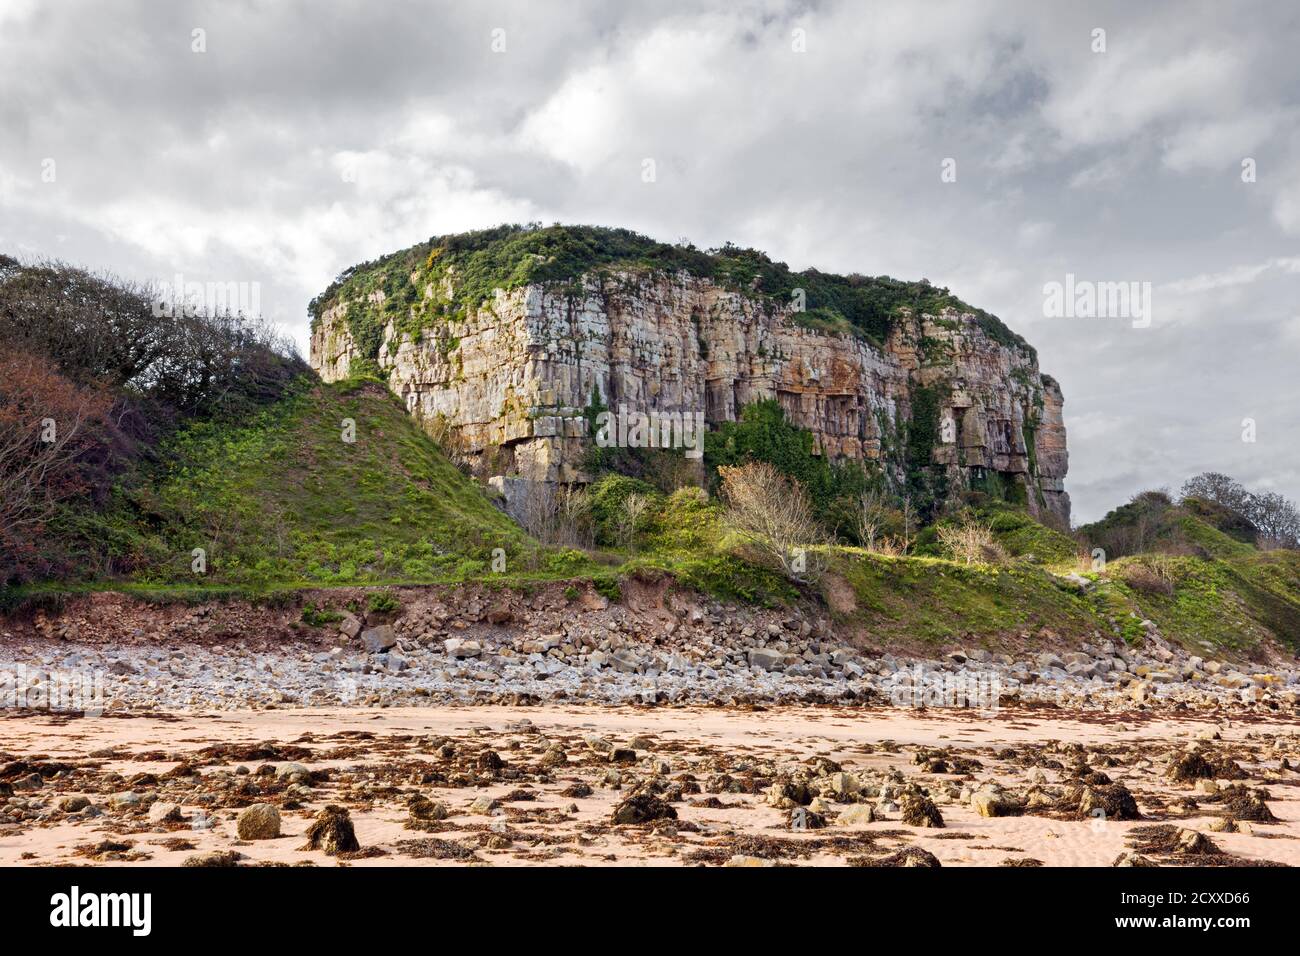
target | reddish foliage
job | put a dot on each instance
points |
(54, 439)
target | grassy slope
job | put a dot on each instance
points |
(1227, 596)
(281, 501)
(1231, 603)
(286, 499)
(937, 601)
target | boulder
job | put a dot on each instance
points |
(764, 659)
(990, 803)
(858, 813)
(919, 810)
(261, 821)
(379, 638)
(1132, 859)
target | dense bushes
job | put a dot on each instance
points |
(1264, 518)
(1216, 517)
(111, 333)
(96, 363)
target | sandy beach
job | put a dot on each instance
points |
(661, 786)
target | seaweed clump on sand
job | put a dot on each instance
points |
(908, 856)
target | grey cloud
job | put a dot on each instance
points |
(1115, 166)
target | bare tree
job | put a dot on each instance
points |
(1218, 488)
(635, 506)
(45, 430)
(573, 517)
(774, 513)
(553, 514)
(909, 520)
(869, 517)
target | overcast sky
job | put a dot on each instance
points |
(306, 137)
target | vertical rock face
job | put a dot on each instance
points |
(509, 382)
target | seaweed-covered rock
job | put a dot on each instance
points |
(423, 810)
(223, 859)
(1243, 803)
(908, 856)
(331, 832)
(1188, 767)
(1195, 843)
(785, 794)
(1110, 803)
(489, 761)
(919, 810)
(642, 808)
(804, 818)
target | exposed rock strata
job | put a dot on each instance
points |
(512, 380)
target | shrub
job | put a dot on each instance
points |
(970, 541)
(319, 617)
(54, 444)
(1152, 575)
(763, 434)
(383, 602)
(774, 513)
(104, 330)
(607, 502)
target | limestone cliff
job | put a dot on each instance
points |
(509, 377)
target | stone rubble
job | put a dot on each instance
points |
(606, 653)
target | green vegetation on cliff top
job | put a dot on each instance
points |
(511, 256)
